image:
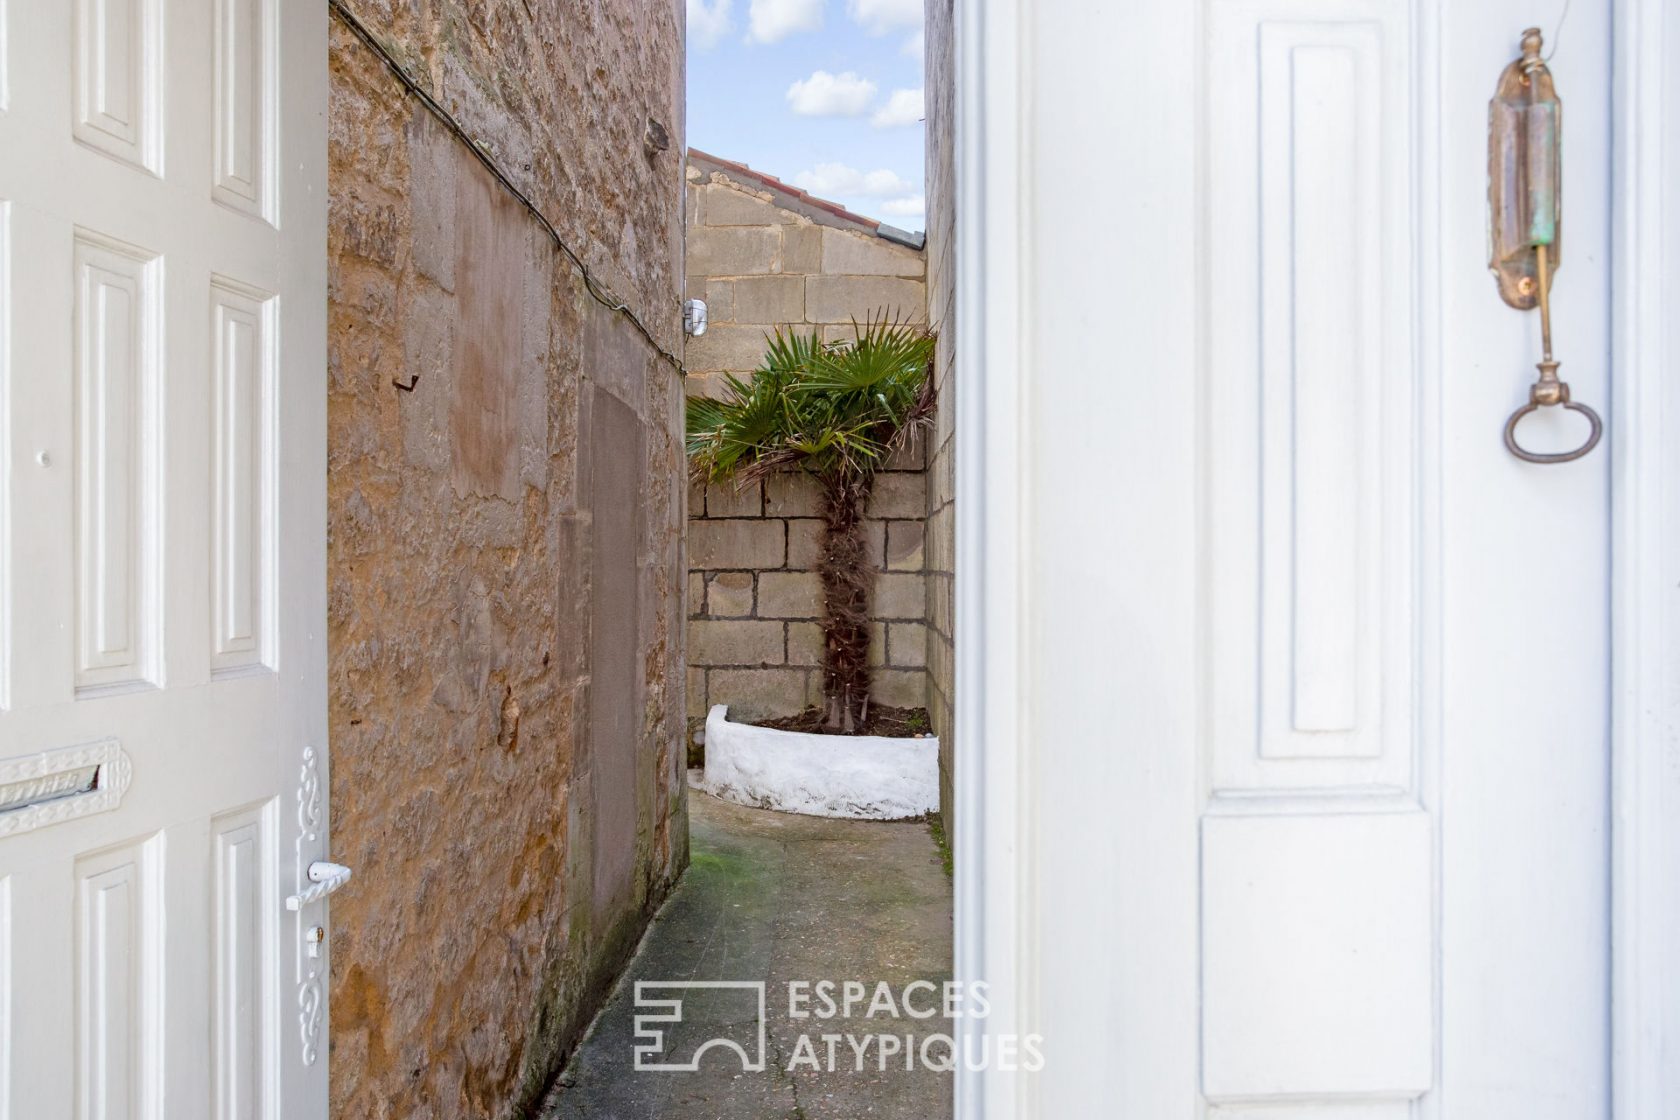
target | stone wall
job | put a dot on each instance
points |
(763, 255)
(505, 541)
(942, 299)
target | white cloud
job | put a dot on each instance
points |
(902, 108)
(831, 95)
(913, 206)
(707, 23)
(771, 21)
(915, 46)
(830, 179)
(881, 16)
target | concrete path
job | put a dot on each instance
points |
(777, 898)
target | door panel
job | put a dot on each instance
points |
(1326, 661)
(162, 723)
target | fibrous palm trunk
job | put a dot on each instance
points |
(847, 578)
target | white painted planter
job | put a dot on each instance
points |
(866, 777)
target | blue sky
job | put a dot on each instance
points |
(824, 94)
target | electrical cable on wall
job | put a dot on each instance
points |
(447, 119)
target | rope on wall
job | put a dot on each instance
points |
(599, 294)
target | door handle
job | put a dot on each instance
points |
(324, 879)
(1525, 212)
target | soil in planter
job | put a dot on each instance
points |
(891, 723)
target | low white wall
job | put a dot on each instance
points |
(863, 777)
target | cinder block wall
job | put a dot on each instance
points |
(763, 254)
(942, 299)
(505, 542)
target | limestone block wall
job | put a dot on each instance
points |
(754, 597)
(942, 295)
(505, 541)
(763, 254)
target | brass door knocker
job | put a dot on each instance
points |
(1524, 142)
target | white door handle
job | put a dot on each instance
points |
(324, 879)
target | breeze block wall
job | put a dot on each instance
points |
(942, 305)
(506, 488)
(764, 255)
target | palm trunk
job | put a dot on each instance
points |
(847, 578)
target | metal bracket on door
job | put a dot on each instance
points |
(1524, 159)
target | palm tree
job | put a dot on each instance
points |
(837, 411)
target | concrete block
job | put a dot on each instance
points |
(705, 385)
(899, 595)
(804, 643)
(735, 642)
(733, 349)
(907, 645)
(734, 250)
(727, 499)
(911, 455)
(840, 299)
(730, 595)
(904, 546)
(801, 249)
(877, 644)
(723, 205)
(715, 545)
(759, 693)
(766, 300)
(789, 595)
(898, 688)
(805, 543)
(861, 254)
(697, 705)
(696, 594)
(899, 494)
(792, 494)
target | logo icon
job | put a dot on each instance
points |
(690, 1008)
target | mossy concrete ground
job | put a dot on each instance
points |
(778, 898)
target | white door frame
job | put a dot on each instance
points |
(995, 826)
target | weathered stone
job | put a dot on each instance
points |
(899, 595)
(899, 494)
(759, 693)
(696, 594)
(907, 645)
(789, 595)
(730, 595)
(714, 545)
(904, 546)
(734, 251)
(726, 499)
(735, 642)
(840, 299)
(846, 253)
(537, 797)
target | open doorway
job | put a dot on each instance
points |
(820, 540)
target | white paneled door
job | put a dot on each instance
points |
(1305, 811)
(162, 558)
